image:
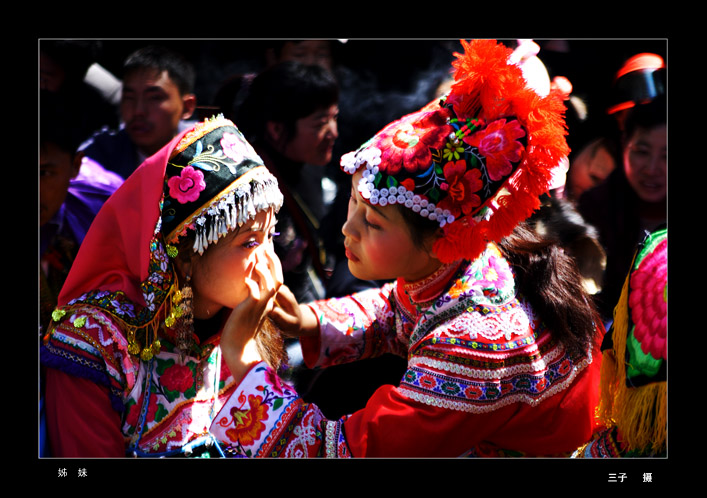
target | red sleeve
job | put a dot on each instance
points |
(391, 425)
(80, 419)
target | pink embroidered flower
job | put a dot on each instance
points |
(460, 186)
(648, 302)
(187, 186)
(498, 144)
(177, 378)
(235, 147)
(248, 424)
(495, 274)
(406, 143)
(274, 381)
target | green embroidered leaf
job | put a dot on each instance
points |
(277, 403)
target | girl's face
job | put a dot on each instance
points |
(645, 163)
(378, 243)
(218, 276)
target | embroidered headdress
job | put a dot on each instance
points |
(207, 180)
(633, 387)
(214, 182)
(475, 162)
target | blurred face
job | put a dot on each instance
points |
(645, 163)
(56, 169)
(151, 107)
(314, 137)
(310, 52)
(378, 243)
(218, 276)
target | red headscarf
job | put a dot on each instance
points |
(115, 254)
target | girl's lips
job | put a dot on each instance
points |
(351, 256)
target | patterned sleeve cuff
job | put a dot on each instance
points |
(266, 418)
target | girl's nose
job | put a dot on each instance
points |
(349, 229)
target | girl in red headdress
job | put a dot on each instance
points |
(499, 335)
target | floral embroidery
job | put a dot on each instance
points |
(495, 274)
(442, 170)
(177, 378)
(275, 382)
(407, 145)
(155, 412)
(235, 147)
(498, 144)
(248, 423)
(187, 186)
(460, 287)
(648, 302)
(460, 186)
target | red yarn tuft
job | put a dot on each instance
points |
(487, 87)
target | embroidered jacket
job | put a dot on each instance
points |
(166, 405)
(484, 378)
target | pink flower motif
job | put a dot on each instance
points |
(274, 381)
(495, 274)
(648, 302)
(406, 143)
(235, 147)
(498, 144)
(186, 187)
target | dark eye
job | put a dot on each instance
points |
(371, 225)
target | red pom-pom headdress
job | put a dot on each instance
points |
(476, 161)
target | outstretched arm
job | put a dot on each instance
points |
(293, 319)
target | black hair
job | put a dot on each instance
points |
(284, 93)
(546, 276)
(179, 69)
(645, 116)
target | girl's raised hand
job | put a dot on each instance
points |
(263, 284)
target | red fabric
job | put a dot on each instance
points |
(392, 425)
(115, 253)
(81, 421)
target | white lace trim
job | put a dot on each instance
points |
(471, 407)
